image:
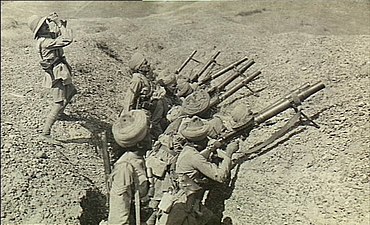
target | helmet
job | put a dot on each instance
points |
(196, 103)
(194, 129)
(136, 61)
(131, 128)
(34, 23)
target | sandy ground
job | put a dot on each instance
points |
(310, 176)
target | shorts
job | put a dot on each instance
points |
(61, 92)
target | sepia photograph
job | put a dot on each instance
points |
(250, 112)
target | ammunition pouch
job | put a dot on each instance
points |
(188, 185)
(158, 166)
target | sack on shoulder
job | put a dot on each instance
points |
(158, 166)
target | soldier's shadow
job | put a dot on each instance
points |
(94, 125)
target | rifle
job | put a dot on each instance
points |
(106, 160)
(229, 79)
(291, 101)
(186, 62)
(212, 60)
(244, 83)
(213, 76)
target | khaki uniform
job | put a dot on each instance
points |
(145, 94)
(186, 208)
(128, 175)
(58, 75)
(191, 163)
(58, 72)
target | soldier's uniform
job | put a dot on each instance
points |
(129, 172)
(145, 93)
(128, 175)
(191, 166)
(51, 39)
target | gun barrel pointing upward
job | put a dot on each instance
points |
(289, 96)
(270, 112)
(239, 72)
(213, 76)
(186, 62)
(240, 85)
(204, 68)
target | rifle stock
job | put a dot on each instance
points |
(106, 160)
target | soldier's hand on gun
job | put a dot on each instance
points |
(214, 144)
(232, 148)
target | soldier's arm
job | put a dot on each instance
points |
(121, 194)
(211, 170)
(63, 40)
(132, 92)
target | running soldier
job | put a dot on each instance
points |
(52, 36)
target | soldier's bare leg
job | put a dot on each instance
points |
(70, 91)
(51, 118)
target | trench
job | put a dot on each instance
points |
(94, 207)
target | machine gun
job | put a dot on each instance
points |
(186, 62)
(211, 61)
(292, 100)
(213, 76)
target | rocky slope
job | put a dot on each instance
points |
(310, 176)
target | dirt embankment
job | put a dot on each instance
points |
(310, 176)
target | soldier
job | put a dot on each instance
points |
(183, 206)
(185, 87)
(168, 81)
(145, 93)
(129, 176)
(52, 36)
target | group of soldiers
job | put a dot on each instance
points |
(169, 131)
(168, 136)
(166, 129)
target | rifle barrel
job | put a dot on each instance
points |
(239, 72)
(204, 68)
(186, 62)
(231, 66)
(240, 85)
